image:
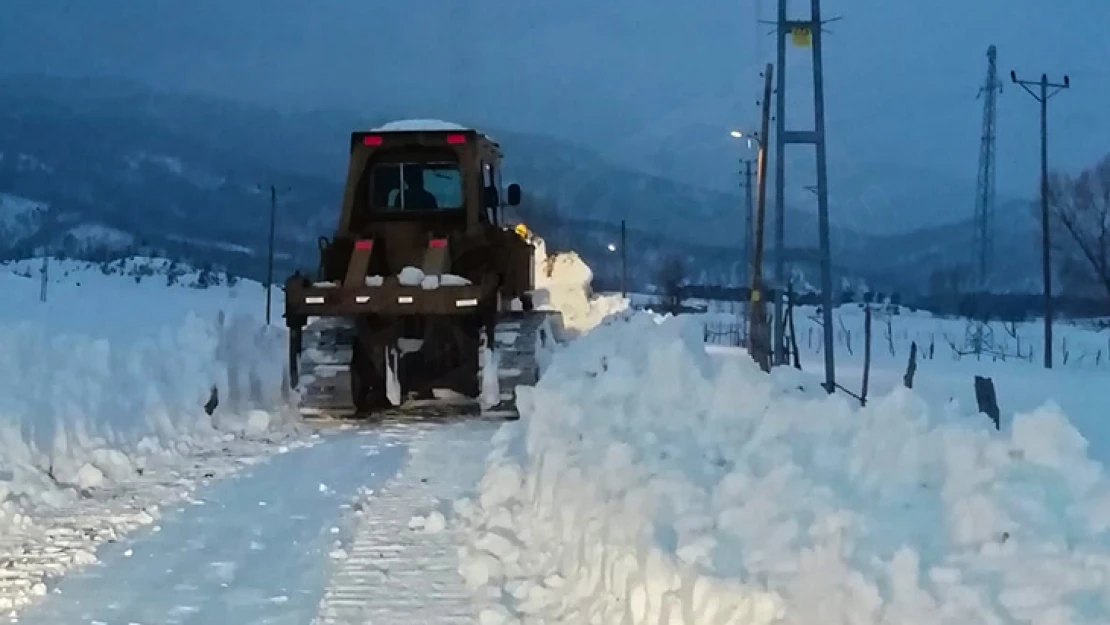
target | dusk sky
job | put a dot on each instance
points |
(653, 84)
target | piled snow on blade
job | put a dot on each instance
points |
(649, 482)
(562, 282)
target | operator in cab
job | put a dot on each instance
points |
(415, 196)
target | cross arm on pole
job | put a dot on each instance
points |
(1043, 82)
(1025, 86)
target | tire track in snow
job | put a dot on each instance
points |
(394, 573)
(251, 549)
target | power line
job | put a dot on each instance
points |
(1043, 96)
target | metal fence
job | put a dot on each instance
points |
(724, 333)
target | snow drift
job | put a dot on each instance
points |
(649, 482)
(79, 408)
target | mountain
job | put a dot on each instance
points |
(100, 167)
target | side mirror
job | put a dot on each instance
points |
(514, 194)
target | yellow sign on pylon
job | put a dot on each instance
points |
(801, 36)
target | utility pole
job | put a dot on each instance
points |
(749, 215)
(778, 355)
(804, 33)
(270, 251)
(624, 260)
(1046, 266)
(758, 335)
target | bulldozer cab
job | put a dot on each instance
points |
(448, 181)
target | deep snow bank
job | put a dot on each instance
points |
(562, 282)
(82, 404)
(649, 483)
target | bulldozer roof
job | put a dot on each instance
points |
(427, 132)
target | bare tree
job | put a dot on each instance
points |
(1080, 206)
(671, 274)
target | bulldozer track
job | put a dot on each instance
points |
(324, 365)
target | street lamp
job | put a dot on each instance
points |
(750, 137)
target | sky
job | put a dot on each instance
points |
(651, 84)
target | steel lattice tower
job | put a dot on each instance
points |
(983, 244)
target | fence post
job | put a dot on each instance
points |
(987, 400)
(911, 367)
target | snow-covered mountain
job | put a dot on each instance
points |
(97, 168)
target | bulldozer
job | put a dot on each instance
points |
(424, 292)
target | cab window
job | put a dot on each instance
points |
(424, 186)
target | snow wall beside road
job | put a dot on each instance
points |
(82, 406)
(651, 482)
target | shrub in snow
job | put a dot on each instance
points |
(650, 483)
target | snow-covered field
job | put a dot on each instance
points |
(947, 365)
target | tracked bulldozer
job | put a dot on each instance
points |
(424, 292)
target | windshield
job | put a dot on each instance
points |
(416, 187)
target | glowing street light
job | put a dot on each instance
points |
(749, 136)
(612, 247)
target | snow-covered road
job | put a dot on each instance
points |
(260, 547)
(402, 564)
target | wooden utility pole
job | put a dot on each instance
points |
(749, 215)
(1046, 266)
(759, 334)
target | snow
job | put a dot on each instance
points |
(392, 379)
(98, 236)
(410, 276)
(206, 243)
(397, 573)
(413, 276)
(426, 125)
(20, 217)
(224, 557)
(651, 482)
(946, 369)
(491, 384)
(562, 282)
(102, 403)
